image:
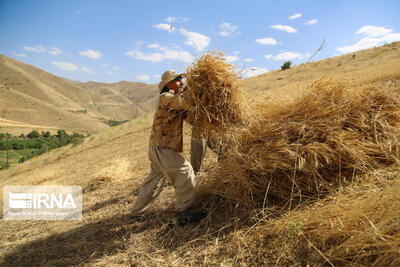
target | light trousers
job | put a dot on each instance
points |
(167, 164)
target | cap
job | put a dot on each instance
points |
(167, 76)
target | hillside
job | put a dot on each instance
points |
(363, 64)
(347, 227)
(40, 100)
(25, 113)
(134, 98)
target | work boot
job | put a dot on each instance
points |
(136, 217)
(189, 215)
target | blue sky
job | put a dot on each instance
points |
(110, 41)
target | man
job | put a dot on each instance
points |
(165, 147)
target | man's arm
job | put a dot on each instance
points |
(174, 101)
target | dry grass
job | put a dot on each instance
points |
(307, 147)
(217, 102)
(359, 229)
(358, 226)
(117, 172)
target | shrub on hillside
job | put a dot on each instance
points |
(113, 123)
(32, 135)
(286, 65)
(46, 134)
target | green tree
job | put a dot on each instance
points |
(46, 134)
(33, 135)
(286, 65)
(63, 137)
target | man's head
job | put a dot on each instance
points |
(171, 80)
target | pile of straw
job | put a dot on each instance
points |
(312, 145)
(217, 102)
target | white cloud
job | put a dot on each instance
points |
(86, 69)
(158, 76)
(247, 73)
(175, 46)
(154, 57)
(295, 16)
(364, 43)
(155, 45)
(89, 70)
(307, 55)
(176, 19)
(195, 39)
(91, 54)
(248, 60)
(373, 31)
(227, 29)
(231, 59)
(55, 51)
(138, 44)
(170, 19)
(35, 49)
(19, 55)
(164, 54)
(268, 56)
(393, 37)
(116, 68)
(65, 65)
(287, 56)
(311, 22)
(165, 27)
(41, 49)
(375, 36)
(285, 28)
(267, 41)
(369, 42)
(143, 77)
(104, 65)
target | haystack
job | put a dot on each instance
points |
(217, 102)
(312, 145)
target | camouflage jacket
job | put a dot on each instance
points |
(168, 121)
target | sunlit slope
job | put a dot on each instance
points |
(133, 98)
(33, 96)
(364, 65)
(29, 113)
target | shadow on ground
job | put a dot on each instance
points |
(94, 240)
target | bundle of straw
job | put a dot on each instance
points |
(217, 102)
(312, 145)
